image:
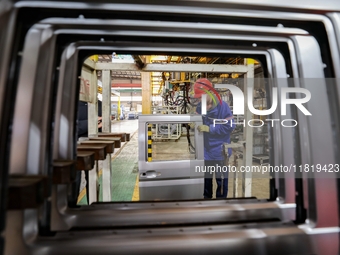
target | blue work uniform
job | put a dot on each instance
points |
(213, 141)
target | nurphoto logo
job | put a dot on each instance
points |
(238, 105)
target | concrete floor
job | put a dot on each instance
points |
(127, 126)
(125, 165)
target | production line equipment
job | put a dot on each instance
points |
(166, 131)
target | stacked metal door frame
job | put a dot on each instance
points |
(65, 87)
(6, 34)
(250, 239)
(33, 51)
(313, 133)
(284, 182)
(335, 18)
(75, 76)
(66, 113)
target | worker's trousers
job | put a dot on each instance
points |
(218, 168)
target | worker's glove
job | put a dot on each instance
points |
(192, 125)
(203, 128)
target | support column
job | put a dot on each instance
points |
(106, 117)
(146, 90)
(93, 130)
(106, 104)
(93, 106)
(248, 131)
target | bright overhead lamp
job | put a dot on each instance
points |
(158, 58)
(116, 58)
(234, 75)
(156, 74)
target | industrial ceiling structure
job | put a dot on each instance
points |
(157, 78)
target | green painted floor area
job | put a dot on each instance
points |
(124, 173)
(125, 170)
(83, 201)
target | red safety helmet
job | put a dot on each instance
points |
(201, 86)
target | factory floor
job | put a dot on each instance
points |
(125, 166)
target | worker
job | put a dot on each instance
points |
(215, 135)
(82, 130)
